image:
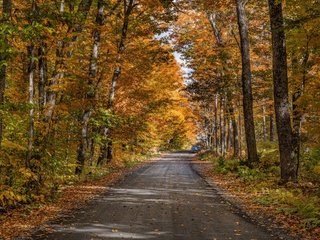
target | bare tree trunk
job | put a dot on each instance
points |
(106, 150)
(264, 123)
(297, 112)
(6, 14)
(246, 84)
(225, 127)
(271, 128)
(229, 134)
(31, 76)
(57, 74)
(43, 74)
(83, 144)
(212, 17)
(101, 19)
(91, 93)
(221, 126)
(62, 6)
(240, 133)
(216, 139)
(83, 10)
(235, 139)
(92, 148)
(288, 159)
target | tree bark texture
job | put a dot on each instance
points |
(297, 112)
(128, 5)
(271, 128)
(235, 138)
(91, 92)
(264, 123)
(31, 78)
(288, 159)
(216, 139)
(43, 74)
(246, 84)
(83, 10)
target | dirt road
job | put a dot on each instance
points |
(164, 200)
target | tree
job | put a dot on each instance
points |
(288, 158)
(246, 84)
(92, 82)
(128, 6)
(6, 13)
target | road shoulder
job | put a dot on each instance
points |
(241, 205)
(24, 221)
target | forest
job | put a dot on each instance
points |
(89, 86)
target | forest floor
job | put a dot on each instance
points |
(245, 197)
(23, 220)
(163, 200)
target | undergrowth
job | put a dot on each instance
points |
(300, 200)
(60, 177)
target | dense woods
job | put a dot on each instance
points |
(254, 71)
(253, 83)
(89, 84)
(84, 83)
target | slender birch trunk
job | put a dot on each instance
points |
(235, 139)
(85, 142)
(43, 74)
(83, 10)
(216, 139)
(225, 124)
(57, 74)
(31, 78)
(222, 126)
(91, 93)
(240, 131)
(264, 123)
(106, 151)
(297, 112)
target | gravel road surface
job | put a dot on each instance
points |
(164, 200)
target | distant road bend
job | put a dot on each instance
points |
(164, 200)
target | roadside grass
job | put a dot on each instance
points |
(70, 191)
(297, 200)
(55, 178)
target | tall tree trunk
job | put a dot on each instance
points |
(91, 92)
(246, 84)
(264, 123)
(31, 78)
(288, 159)
(83, 10)
(57, 74)
(6, 14)
(240, 132)
(225, 126)
(212, 17)
(43, 74)
(216, 139)
(106, 150)
(83, 143)
(101, 19)
(92, 151)
(271, 128)
(297, 112)
(234, 125)
(221, 126)
(229, 133)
